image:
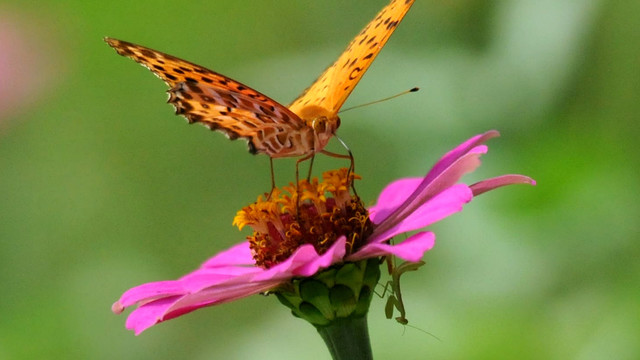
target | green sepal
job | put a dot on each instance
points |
(340, 292)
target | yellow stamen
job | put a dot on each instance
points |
(325, 211)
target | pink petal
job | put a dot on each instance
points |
(148, 315)
(412, 249)
(483, 186)
(168, 299)
(333, 255)
(216, 295)
(449, 169)
(218, 269)
(215, 284)
(305, 261)
(428, 189)
(449, 158)
(444, 204)
(239, 254)
(392, 197)
(204, 277)
(148, 292)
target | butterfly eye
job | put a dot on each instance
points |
(319, 125)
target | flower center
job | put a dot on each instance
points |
(322, 213)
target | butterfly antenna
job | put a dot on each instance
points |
(381, 100)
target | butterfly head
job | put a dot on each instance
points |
(323, 122)
(324, 128)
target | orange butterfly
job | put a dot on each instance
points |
(301, 129)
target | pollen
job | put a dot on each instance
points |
(313, 212)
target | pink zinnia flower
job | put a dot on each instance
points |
(297, 238)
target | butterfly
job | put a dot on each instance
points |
(301, 129)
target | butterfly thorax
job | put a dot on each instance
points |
(323, 124)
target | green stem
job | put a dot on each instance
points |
(347, 339)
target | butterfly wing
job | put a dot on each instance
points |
(218, 102)
(335, 84)
(270, 130)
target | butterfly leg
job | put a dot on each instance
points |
(313, 156)
(310, 156)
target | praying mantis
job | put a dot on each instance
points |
(395, 298)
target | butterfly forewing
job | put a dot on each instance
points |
(335, 84)
(174, 70)
(220, 103)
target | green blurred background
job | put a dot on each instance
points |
(102, 188)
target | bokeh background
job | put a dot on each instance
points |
(102, 188)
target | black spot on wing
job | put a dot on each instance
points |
(147, 53)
